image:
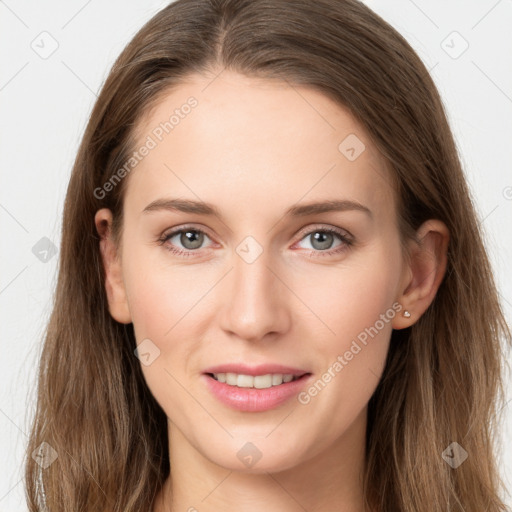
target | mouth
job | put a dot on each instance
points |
(262, 391)
(265, 381)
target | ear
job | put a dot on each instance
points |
(424, 273)
(114, 284)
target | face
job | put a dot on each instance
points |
(266, 279)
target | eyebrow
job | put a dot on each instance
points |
(202, 208)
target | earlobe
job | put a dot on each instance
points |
(114, 284)
(426, 270)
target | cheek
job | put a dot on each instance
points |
(356, 305)
(161, 302)
(151, 301)
(160, 293)
(344, 300)
(351, 298)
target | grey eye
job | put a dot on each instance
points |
(322, 240)
(190, 238)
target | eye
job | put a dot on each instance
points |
(322, 239)
(190, 239)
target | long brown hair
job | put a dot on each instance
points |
(443, 380)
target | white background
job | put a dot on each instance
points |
(45, 104)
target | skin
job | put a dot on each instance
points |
(246, 142)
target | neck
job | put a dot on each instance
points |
(330, 480)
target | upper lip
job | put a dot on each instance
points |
(261, 369)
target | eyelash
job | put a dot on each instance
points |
(347, 242)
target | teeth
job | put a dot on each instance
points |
(249, 381)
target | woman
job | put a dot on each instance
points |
(200, 356)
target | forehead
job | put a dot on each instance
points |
(244, 140)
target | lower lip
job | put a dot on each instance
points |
(252, 399)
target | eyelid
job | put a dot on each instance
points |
(301, 233)
(171, 232)
(324, 227)
(177, 229)
(345, 236)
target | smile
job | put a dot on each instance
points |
(255, 393)
(249, 381)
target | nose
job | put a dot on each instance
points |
(255, 300)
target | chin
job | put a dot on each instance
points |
(254, 457)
